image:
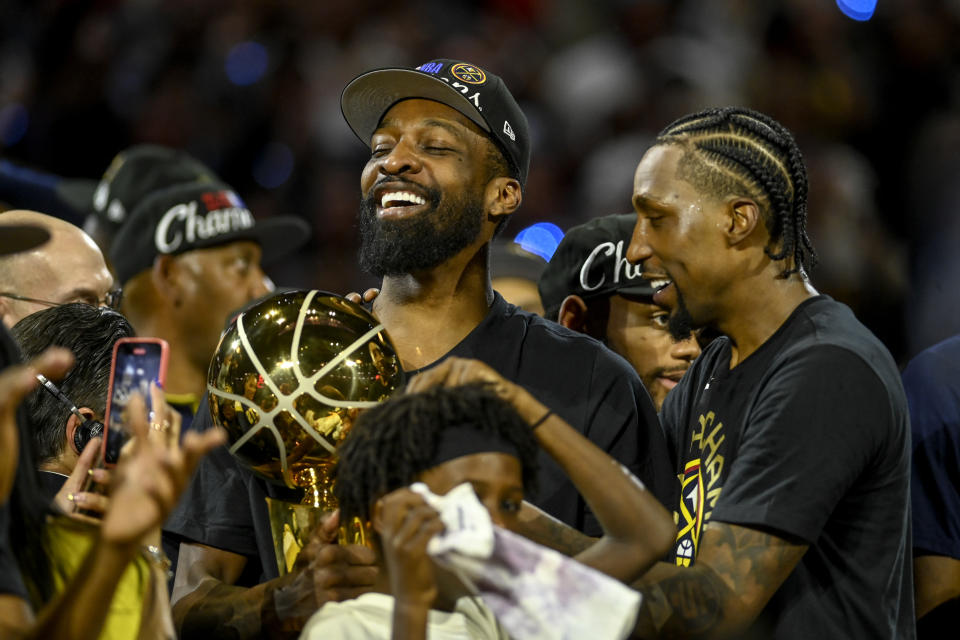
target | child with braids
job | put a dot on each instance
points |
(461, 422)
(790, 432)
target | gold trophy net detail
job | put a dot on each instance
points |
(289, 377)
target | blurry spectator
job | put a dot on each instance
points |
(589, 286)
(68, 268)
(188, 256)
(930, 381)
(514, 273)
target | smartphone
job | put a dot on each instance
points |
(136, 363)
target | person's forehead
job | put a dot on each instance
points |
(490, 467)
(426, 113)
(655, 179)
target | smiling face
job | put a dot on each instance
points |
(638, 331)
(423, 189)
(680, 236)
(497, 478)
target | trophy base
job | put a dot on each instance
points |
(291, 525)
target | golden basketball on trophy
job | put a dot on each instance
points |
(290, 375)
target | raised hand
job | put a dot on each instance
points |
(153, 471)
(15, 383)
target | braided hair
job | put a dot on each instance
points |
(737, 150)
(392, 443)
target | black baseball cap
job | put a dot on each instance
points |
(197, 216)
(471, 90)
(15, 238)
(591, 262)
(134, 174)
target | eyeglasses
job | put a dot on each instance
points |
(111, 299)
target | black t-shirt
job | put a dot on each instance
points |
(808, 437)
(592, 388)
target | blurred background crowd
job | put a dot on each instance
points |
(252, 87)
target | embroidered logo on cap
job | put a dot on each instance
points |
(507, 129)
(225, 214)
(430, 67)
(468, 73)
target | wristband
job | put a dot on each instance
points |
(542, 419)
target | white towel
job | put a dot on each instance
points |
(535, 592)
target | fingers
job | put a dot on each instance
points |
(18, 381)
(82, 470)
(368, 296)
(90, 501)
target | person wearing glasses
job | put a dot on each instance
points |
(68, 268)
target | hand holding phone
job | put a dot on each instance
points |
(137, 362)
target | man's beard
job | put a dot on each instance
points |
(421, 241)
(680, 322)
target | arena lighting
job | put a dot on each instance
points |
(859, 10)
(540, 238)
(246, 63)
(13, 123)
(273, 166)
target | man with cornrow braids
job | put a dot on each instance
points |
(790, 432)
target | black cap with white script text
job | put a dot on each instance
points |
(590, 262)
(197, 216)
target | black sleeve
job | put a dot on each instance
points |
(215, 508)
(817, 421)
(11, 582)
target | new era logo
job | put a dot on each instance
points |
(507, 129)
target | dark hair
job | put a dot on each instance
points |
(90, 333)
(737, 150)
(391, 444)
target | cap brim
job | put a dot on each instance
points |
(641, 290)
(369, 96)
(277, 237)
(21, 237)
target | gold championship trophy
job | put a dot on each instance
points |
(289, 377)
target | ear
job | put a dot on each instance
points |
(6, 317)
(166, 277)
(573, 313)
(502, 197)
(743, 218)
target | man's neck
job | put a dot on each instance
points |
(761, 309)
(429, 313)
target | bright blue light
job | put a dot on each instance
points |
(859, 10)
(246, 63)
(13, 123)
(541, 239)
(274, 165)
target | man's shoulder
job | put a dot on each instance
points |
(824, 327)
(564, 349)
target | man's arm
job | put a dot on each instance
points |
(936, 579)
(737, 571)
(539, 526)
(207, 604)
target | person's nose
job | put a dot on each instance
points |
(260, 283)
(638, 250)
(687, 349)
(400, 159)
